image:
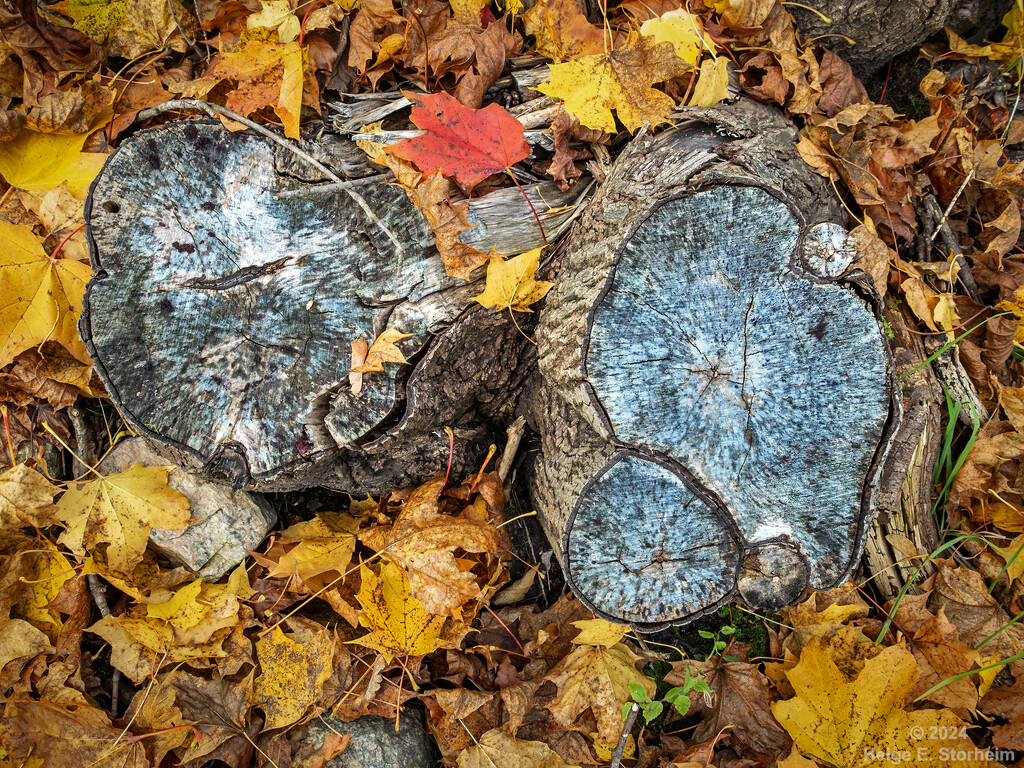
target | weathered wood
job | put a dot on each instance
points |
(904, 524)
(869, 34)
(714, 405)
(220, 319)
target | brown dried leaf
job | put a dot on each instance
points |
(597, 679)
(26, 500)
(839, 86)
(562, 31)
(423, 542)
(740, 703)
(67, 736)
(941, 655)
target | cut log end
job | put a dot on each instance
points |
(630, 557)
(246, 302)
(742, 393)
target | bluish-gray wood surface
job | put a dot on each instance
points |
(624, 547)
(220, 318)
(701, 390)
(769, 386)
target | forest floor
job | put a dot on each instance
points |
(110, 656)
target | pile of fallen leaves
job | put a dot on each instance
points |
(110, 657)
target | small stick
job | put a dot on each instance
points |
(84, 439)
(98, 596)
(950, 239)
(515, 436)
(626, 728)
(216, 109)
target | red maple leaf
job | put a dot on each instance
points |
(469, 144)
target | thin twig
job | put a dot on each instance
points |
(99, 597)
(949, 208)
(964, 274)
(626, 728)
(216, 109)
(84, 459)
(515, 436)
(305, 191)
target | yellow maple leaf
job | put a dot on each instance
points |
(684, 30)
(40, 297)
(45, 572)
(129, 28)
(26, 499)
(855, 723)
(192, 623)
(510, 283)
(712, 83)
(311, 548)
(621, 80)
(597, 678)
(276, 14)
(383, 350)
(398, 623)
(599, 632)
(119, 510)
(39, 161)
(294, 670)
(498, 748)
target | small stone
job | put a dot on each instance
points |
(229, 522)
(375, 743)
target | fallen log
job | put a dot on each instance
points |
(714, 396)
(869, 35)
(222, 314)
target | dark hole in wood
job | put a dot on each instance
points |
(111, 207)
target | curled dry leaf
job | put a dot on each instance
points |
(383, 350)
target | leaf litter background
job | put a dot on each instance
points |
(358, 607)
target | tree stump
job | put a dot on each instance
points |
(222, 314)
(714, 399)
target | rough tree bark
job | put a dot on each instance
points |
(868, 33)
(714, 402)
(221, 317)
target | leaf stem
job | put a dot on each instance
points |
(540, 226)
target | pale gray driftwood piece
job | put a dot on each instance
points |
(227, 523)
(220, 319)
(713, 414)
